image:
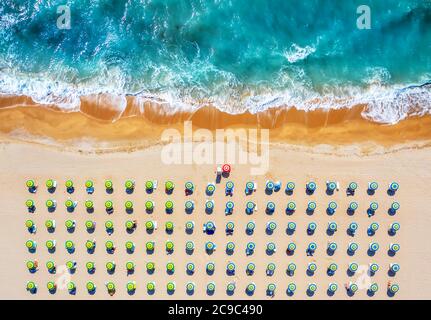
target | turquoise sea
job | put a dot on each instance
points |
(239, 55)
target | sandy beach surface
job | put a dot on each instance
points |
(409, 166)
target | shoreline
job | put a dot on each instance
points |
(141, 125)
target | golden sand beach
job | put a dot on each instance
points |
(43, 143)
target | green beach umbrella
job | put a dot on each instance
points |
(332, 205)
(129, 224)
(169, 246)
(50, 265)
(29, 204)
(291, 206)
(312, 226)
(209, 205)
(250, 267)
(50, 244)
(89, 204)
(110, 286)
(210, 267)
(249, 186)
(149, 185)
(209, 246)
(128, 205)
(271, 267)
(394, 267)
(230, 267)
(374, 267)
(30, 184)
(270, 247)
(395, 227)
(109, 225)
(190, 225)
(353, 267)
(109, 245)
(89, 224)
(291, 267)
(333, 267)
(31, 286)
(230, 226)
(50, 183)
(29, 224)
(151, 286)
(170, 286)
(229, 185)
(271, 225)
(312, 287)
(230, 246)
(130, 246)
(251, 287)
(71, 265)
(169, 185)
(394, 186)
(211, 287)
(251, 225)
(269, 185)
(312, 246)
(90, 266)
(69, 204)
(332, 226)
(190, 287)
(271, 287)
(291, 287)
(374, 226)
(71, 286)
(189, 205)
(169, 226)
(394, 247)
(69, 184)
(190, 245)
(129, 184)
(131, 286)
(68, 223)
(130, 266)
(30, 244)
(190, 267)
(51, 286)
(50, 203)
(110, 266)
(149, 246)
(312, 267)
(109, 204)
(353, 226)
(210, 188)
(311, 206)
(90, 286)
(108, 185)
(90, 245)
(30, 265)
(149, 225)
(169, 205)
(69, 245)
(89, 184)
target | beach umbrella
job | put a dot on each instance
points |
(90, 245)
(230, 247)
(353, 226)
(250, 248)
(109, 245)
(210, 189)
(291, 267)
(209, 247)
(249, 187)
(31, 265)
(332, 206)
(270, 268)
(311, 227)
(190, 225)
(31, 286)
(51, 286)
(190, 287)
(189, 187)
(290, 186)
(169, 246)
(89, 185)
(353, 287)
(374, 267)
(90, 225)
(332, 268)
(332, 287)
(269, 185)
(374, 227)
(110, 266)
(30, 224)
(393, 187)
(312, 247)
(331, 186)
(90, 266)
(229, 187)
(251, 288)
(353, 186)
(70, 224)
(151, 286)
(129, 184)
(230, 226)
(394, 247)
(169, 186)
(109, 205)
(149, 185)
(230, 268)
(29, 204)
(190, 267)
(230, 287)
(31, 185)
(149, 246)
(291, 247)
(210, 267)
(128, 205)
(130, 266)
(169, 226)
(373, 186)
(91, 287)
(373, 288)
(50, 204)
(131, 286)
(374, 206)
(270, 206)
(170, 267)
(109, 225)
(190, 246)
(69, 245)
(69, 184)
(71, 286)
(150, 266)
(31, 245)
(71, 265)
(374, 246)
(270, 247)
(312, 267)
(50, 244)
(169, 205)
(50, 184)
(353, 246)
(89, 204)
(189, 205)
(271, 226)
(50, 265)
(226, 168)
(110, 286)
(394, 267)
(130, 225)
(170, 287)
(229, 206)
(209, 226)
(332, 226)
(353, 206)
(149, 205)
(394, 207)
(291, 226)
(209, 205)
(250, 207)
(394, 227)
(353, 267)
(291, 206)
(109, 185)
(130, 246)
(312, 287)
(332, 246)
(311, 206)
(211, 287)
(70, 204)
(291, 287)
(271, 288)
(250, 226)
(311, 186)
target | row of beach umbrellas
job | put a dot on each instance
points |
(250, 187)
(229, 288)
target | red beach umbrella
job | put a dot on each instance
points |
(226, 168)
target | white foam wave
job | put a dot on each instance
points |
(297, 53)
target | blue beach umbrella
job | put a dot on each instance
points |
(311, 187)
(210, 189)
(270, 269)
(269, 186)
(311, 206)
(270, 207)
